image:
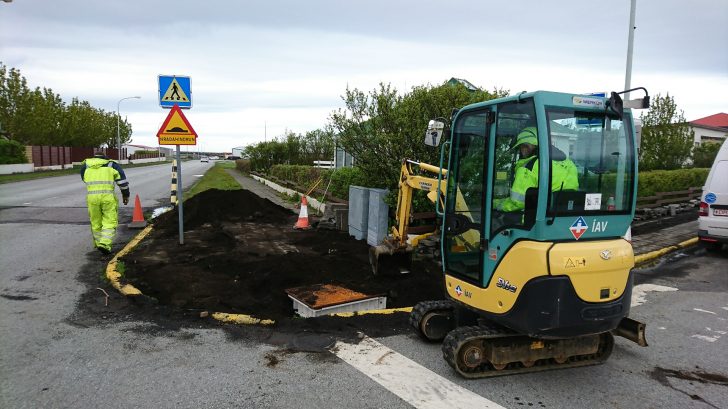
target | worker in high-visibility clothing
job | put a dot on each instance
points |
(564, 175)
(100, 173)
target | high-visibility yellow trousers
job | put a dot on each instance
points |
(103, 212)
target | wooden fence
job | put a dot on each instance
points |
(665, 198)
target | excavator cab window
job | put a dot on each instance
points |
(596, 167)
(509, 185)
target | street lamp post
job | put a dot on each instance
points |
(118, 133)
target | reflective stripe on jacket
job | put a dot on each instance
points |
(562, 171)
(100, 174)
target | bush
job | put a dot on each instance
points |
(243, 165)
(704, 154)
(654, 181)
(12, 152)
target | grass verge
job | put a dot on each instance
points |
(215, 178)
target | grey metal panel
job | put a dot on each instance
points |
(378, 218)
(358, 211)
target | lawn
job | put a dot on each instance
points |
(215, 178)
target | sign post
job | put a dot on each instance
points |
(176, 130)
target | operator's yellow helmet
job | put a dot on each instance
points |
(527, 135)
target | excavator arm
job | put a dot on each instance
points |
(394, 254)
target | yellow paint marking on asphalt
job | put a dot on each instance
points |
(657, 253)
(114, 276)
(240, 319)
(383, 312)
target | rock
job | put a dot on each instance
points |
(204, 314)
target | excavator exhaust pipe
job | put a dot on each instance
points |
(632, 330)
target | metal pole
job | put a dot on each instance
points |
(630, 46)
(180, 198)
(118, 133)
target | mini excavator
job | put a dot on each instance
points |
(546, 285)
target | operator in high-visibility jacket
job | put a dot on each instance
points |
(99, 173)
(564, 175)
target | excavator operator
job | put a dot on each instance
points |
(564, 172)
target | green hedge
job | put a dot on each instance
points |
(654, 181)
(12, 152)
(306, 176)
(650, 182)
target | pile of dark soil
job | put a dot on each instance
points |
(241, 254)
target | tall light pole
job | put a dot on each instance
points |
(118, 133)
(630, 47)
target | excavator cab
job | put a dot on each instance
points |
(541, 190)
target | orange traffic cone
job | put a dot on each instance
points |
(137, 221)
(302, 223)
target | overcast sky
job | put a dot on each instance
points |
(259, 68)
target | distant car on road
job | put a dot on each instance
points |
(713, 220)
(233, 157)
(214, 157)
(204, 159)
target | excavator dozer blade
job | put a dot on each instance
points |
(384, 260)
(632, 330)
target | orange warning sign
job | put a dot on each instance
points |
(176, 130)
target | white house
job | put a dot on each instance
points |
(713, 128)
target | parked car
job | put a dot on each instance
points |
(233, 157)
(204, 159)
(214, 157)
(713, 220)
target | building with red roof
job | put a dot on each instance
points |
(713, 128)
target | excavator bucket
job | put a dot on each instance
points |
(385, 260)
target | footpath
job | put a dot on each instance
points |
(647, 246)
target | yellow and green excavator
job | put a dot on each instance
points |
(537, 264)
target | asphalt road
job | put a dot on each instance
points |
(62, 346)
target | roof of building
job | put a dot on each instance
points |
(464, 82)
(141, 146)
(719, 120)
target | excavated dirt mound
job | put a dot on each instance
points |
(241, 254)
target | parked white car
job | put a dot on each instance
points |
(204, 159)
(713, 220)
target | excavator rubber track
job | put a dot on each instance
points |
(426, 315)
(467, 349)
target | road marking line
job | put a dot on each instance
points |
(639, 292)
(706, 338)
(407, 379)
(709, 312)
(725, 308)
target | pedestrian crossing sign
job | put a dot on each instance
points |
(174, 89)
(176, 129)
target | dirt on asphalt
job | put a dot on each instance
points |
(241, 253)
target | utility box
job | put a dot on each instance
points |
(378, 217)
(358, 211)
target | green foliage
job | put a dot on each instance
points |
(243, 165)
(291, 149)
(40, 117)
(383, 127)
(651, 182)
(12, 152)
(704, 154)
(667, 139)
(215, 178)
(306, 176)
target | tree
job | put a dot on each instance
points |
(40, 117)
(667, 140)
(383, 127)
(704, 154)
